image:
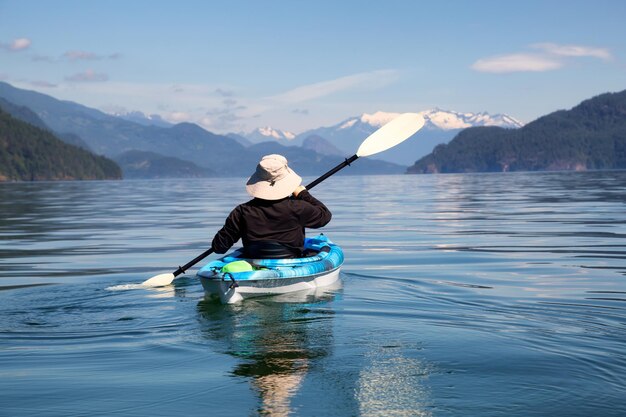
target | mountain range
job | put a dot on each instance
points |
(139, 143)
(590, 136)
(441, 126)
(140, 148)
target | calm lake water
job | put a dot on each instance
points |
(461, 295)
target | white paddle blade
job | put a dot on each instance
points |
(396, 131)
(160, 280)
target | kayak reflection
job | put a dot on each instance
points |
(277, 339)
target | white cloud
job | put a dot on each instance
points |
(20, 44)
(219, 108)
(574, 50)
(16, 45)
(215, 107)
(517, 63)
(325, 88)
(550, 57)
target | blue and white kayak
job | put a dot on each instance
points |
(233, 278)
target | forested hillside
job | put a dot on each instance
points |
(590, 136)
(30, 153)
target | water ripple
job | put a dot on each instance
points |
(481, 295)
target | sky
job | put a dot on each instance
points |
(232, 66)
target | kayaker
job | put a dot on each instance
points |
(272, 224)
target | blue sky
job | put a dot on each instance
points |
(294, 65)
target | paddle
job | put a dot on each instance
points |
(396, 131)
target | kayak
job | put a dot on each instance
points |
(234, 278)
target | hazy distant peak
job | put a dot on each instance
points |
(142, 118)
(275, 133)
(266, 133)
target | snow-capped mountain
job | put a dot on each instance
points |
(264, 134)
(143, 119)
(451, 120)
(436, 119)
(440, 127)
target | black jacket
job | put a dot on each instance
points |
(281, 221)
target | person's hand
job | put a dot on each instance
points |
(298, 190)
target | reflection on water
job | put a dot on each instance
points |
(275, 338)
(393, 384)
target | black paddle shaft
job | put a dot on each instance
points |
(182, 269)
(339, 167)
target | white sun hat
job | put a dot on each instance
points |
(273, 179)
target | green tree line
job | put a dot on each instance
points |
(591, 136)
(29, 153)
